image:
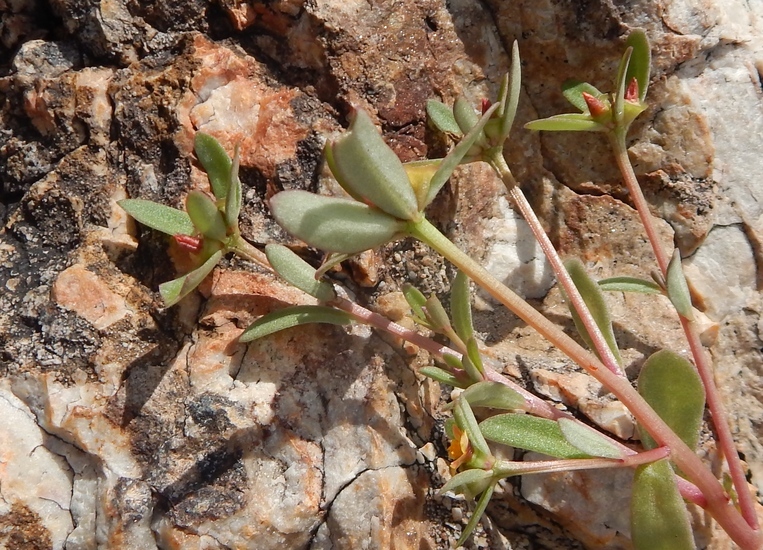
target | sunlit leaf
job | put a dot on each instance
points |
(659, 520)
(233, 198)
(442, 117)
(157, 216)
(678, 289)
(367, 168)
(529, 432)
(511, 101)
(456, 155)
(417, 301)
(452, 361)
(458, 482)
(333, 224)
(493, 395)
(589, 440)
(215, 161)
(294, 316)
(436, 314)
(467, 422)
(205, 216)
(573, 90)
(621, 84)
(594, 300)
(473, 353)
(641, 61)
(465, 115)
(570, 122)
(443, 376)
(461, 307)
(629, 284)
(671, 385)
(175, 290)
(298, 272)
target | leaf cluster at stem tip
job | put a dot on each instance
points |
(208, 227)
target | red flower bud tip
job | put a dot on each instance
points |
(631, 94)
(596, 106)
(486, 104)
(191, 244)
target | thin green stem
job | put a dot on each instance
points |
(701, 357)
(603, 350)
(718, 505)
(243, 248)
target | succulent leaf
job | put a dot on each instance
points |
(294, 316)
(158, 216)
(333, 224)
(216, 163)
(367, 168)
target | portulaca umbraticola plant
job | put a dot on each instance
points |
(386, 200)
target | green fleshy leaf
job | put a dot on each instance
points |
(589, 440)
(493, 395)
(511, 101)
(175, 290)
(441, 116)
(443, 376)
(205, 216)
(621, 85)
(333, 224)
(629, 284)
(216, 163)
(472, 371)
(367, 168)
(298, 272)
(529, 432)
(641, 61)
(417, 301)
(464, 114)
(468, 423)
(473, 353)
(452, 361)
(573, 90)
(436, 314)
(461, 307)
(671, 385)
(477, 514)
(233, 198)
(294, 316)
(594, 299)
(659, 519)
(456, 155)
(678, 289)
(570, 122)
(459, 482)
(157, 216)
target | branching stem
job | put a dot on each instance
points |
(701, 358)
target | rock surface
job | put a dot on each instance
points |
(126, 425)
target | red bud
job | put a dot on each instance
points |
(485, 105)
(595, 105)
(191, 244)
(632, 93)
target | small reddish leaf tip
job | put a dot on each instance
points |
(486, 104)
